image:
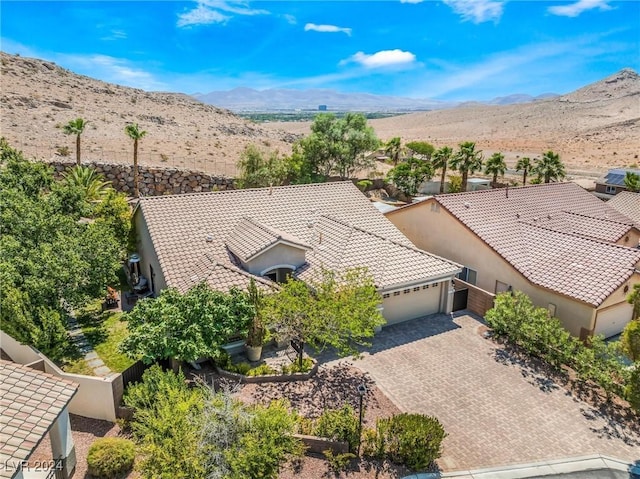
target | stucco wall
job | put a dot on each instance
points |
(279, 255)
(154, 180)
(413, 304)
(148, 254)
(437, 231)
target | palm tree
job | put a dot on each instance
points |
(441, 159)
(135, 133)
(526, 166)
(467, 160)
(393, 148)
(93, 184)
(495, 166)
(549, 167)
(75, 127)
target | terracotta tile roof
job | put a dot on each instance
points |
(190, 232)
(250, 238)
(30, 402)
(627, 203)
(343, 246)
(557, 235)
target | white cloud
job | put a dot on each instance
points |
(211, 11)
(326, 28)
(575, 9)
(411, 1)
(381, 59)
(477, 11)
(115, 35)
(291, 20)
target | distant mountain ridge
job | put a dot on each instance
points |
(248, 99)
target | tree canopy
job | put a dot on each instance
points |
(186, 326)
(256, 171)
(525, 165)
(549, 167)
(49, 258)
(422, 149)
(466, 160)
(75, 127)
(495, 166)
(337, 146)
(441, 158)
(632, 181)
(338, 310)
(410, 174)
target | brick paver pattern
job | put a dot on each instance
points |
(494, 411)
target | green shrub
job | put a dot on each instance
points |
(630, 340)
(414, 440)
(633, 388)
(240, 368)
(223, 360)
(110, 457)
(294, 367)
(338, 462)
(262, 370)
(339, 425)
(373, 444)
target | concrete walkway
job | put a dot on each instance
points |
(496, 408)
(86, 349)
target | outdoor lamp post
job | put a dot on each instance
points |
(362, 390)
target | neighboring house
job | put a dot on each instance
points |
(565, 248)
(612, 183)
(225, 238)
(627, 203)
(34, 404)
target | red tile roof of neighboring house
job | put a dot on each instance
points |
(558, 235)
(30, 402)
(627, 203)
(191, 234)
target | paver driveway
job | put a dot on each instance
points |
(495, 410)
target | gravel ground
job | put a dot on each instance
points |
(84, 431)
(331, 388)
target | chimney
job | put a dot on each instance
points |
(270, 189)
(507, 190)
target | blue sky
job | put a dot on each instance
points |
(449, 50)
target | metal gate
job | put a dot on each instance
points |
(460, 299)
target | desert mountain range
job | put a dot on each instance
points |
(592, 128)
(277, 99)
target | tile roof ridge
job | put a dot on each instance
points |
(216, 262)
(410, 247)
(586, 215)
(555, 184)
(576, 235)
(231, 191)
(279, 234)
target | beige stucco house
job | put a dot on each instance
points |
(225, 238)
(562, 246)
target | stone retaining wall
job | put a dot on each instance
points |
(154, 180)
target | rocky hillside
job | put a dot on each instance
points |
(38, 97)
(592, 128)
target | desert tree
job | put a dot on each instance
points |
(549, 167)
(466, 160)
(410, 174)
(525, 165)
(495, 166)
(421, 149)
(337, 145)
(134, 132)
(441, 158)
(75, 127)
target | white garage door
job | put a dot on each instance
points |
(411, 303)
(612, 320)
